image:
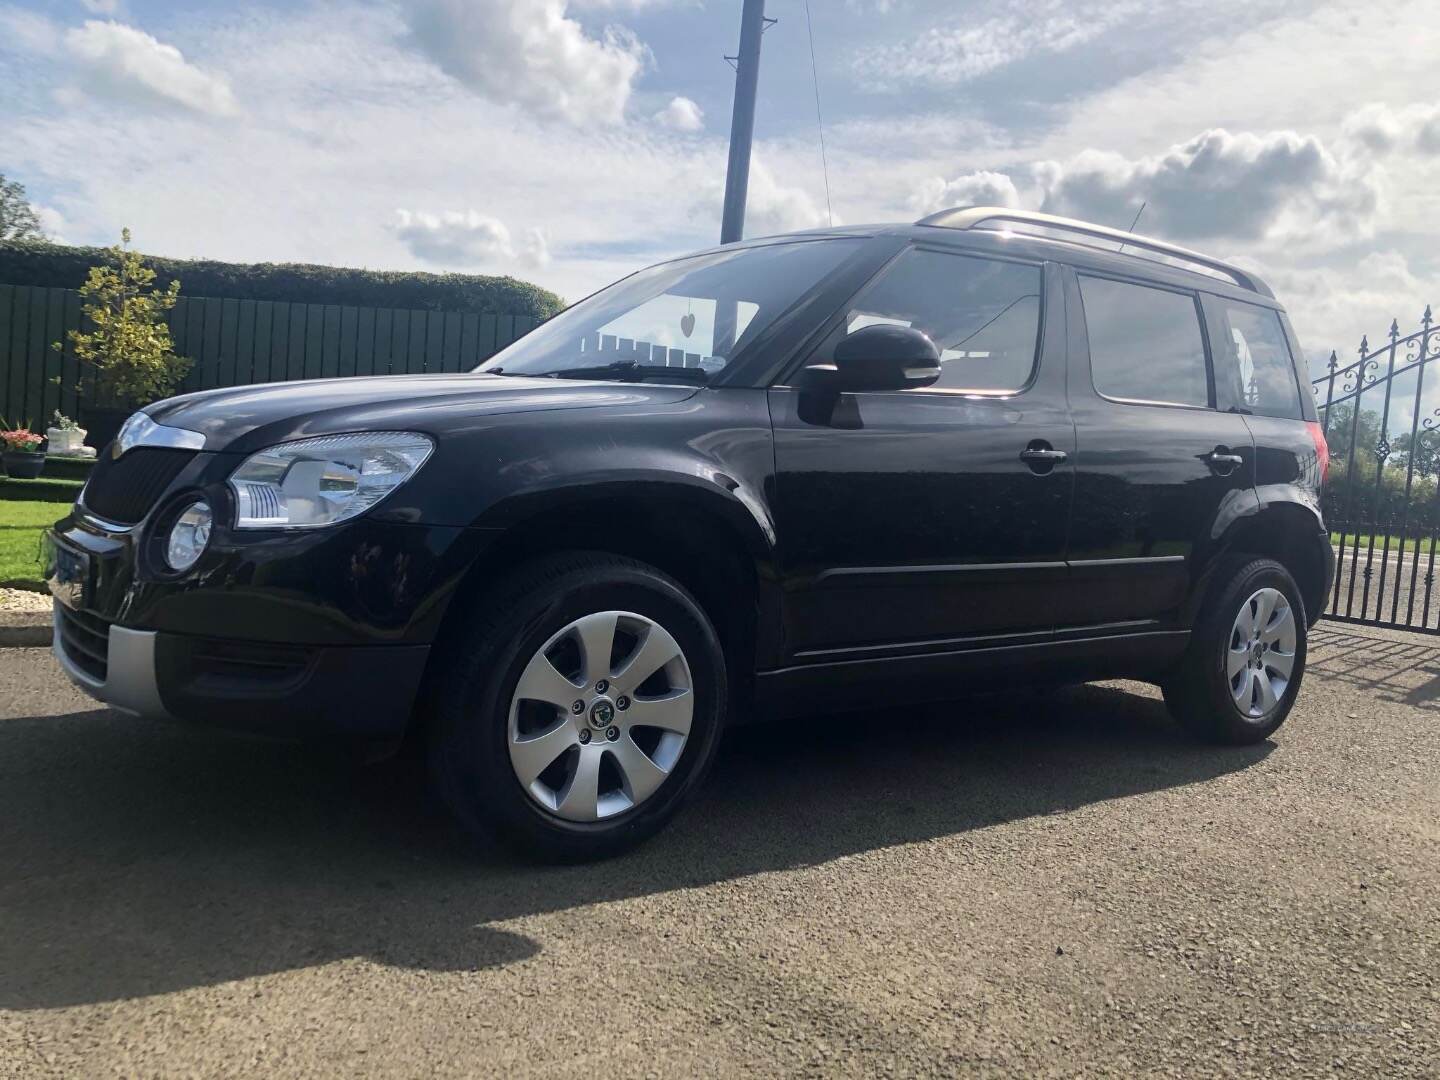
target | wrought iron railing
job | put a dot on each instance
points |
(1384, 488)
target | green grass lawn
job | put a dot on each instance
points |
(1412, 544)
(21, 523)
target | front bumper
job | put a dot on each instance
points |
(129, 682)
(302, 692)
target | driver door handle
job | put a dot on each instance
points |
(1043, 457)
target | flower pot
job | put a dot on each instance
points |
(23, 466)
(65, 440)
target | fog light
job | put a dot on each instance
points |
(188, 536)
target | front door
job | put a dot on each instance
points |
(909, 520)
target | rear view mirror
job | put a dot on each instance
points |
(877, 358)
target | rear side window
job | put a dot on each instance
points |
(1145, 344)
(983, 314)
(1254, 354)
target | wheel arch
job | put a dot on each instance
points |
(709, 541)
(1291, 534)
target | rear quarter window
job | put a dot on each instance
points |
(1253, 353)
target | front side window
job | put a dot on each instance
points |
(1145, 343)
(1253, 352)
(983, 314)
(681, 321)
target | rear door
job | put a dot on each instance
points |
(1160, 472)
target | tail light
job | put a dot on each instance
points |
(1322, 448)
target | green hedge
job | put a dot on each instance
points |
(60, 266)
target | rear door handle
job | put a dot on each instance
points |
(1223, 462)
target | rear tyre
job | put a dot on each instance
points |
(581, 708)
(1242, 671)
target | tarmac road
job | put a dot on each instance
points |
(1055, 886)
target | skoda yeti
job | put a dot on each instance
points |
(789, 475)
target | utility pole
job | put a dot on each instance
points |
(742, 122)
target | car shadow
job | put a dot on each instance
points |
(141, 859)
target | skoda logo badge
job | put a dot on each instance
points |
(602, 714)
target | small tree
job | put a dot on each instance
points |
(18, 220)
(127, 346)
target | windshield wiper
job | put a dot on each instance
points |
(628, 371)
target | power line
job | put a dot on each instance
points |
(819, 120)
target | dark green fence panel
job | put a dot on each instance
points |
(295, 356)
(238, 342)
(55, 332)
(264, 330)
(313, 365)
(384, 329)
(330, 342)
(434, 341)
(364, 341)
(349, 342)
(415, 347)
(9, 297)
(211, 351)
(245, 342)
(227, 368)
(70, 366)
(36, 345)
(450, 342)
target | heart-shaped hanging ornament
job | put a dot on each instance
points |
(687, 323)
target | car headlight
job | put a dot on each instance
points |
(188, 536)
(314, 482)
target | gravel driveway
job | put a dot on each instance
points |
(1059, 886)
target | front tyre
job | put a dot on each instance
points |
(581, 709)
(1242, 671)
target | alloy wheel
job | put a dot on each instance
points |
(600, 716)
(1260, 655)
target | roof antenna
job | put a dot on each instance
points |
(1143, 204)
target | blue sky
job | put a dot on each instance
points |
(570, 141)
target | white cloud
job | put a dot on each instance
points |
(467, 240)
(1382, 129)
(951, 55)
(772, 207)
(53, 222)
(527, 53)
(681, 114)
(983, 188)
(101, 7)
(1333, 306)
(631, 5)
(121, 62)
(1240, 186)
(1220, 184)
(26, 32)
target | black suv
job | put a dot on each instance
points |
(777, 477)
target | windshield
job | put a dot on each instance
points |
(681, 321)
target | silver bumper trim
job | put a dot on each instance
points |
(129, 684)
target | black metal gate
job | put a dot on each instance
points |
(1382, 501)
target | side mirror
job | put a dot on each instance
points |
(879, 357)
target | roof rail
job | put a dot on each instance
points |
(969, 217)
